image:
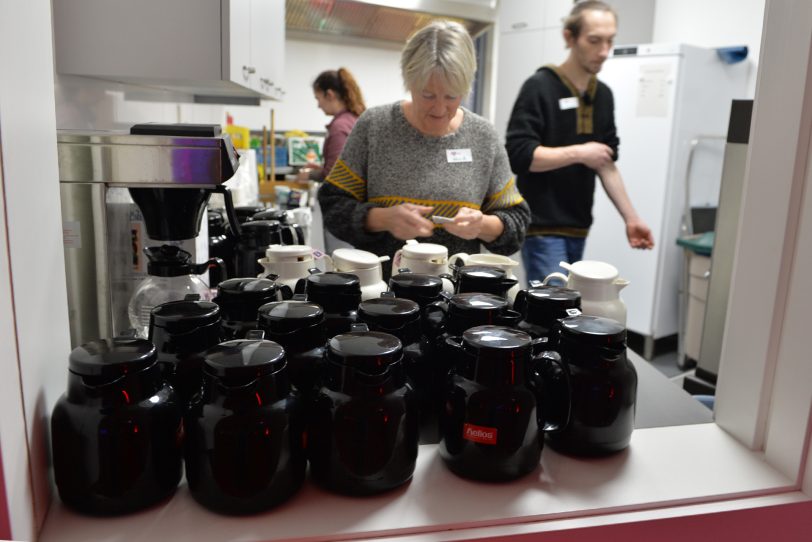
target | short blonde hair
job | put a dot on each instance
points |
(442, 47)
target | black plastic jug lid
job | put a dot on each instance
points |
(289, 316)
(246, 288)
(481, 273)
(112, 358)
(244, 358)
(495, 338)
(593, 330)
(370, 352)
(423, 285)
(278, 215)
(389, 312)
(178, 317)
(330, 283)
(472, 302)
(244, 212)
(564, 298)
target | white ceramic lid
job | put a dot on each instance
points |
(352, 258)
(425, 251)
(595, 270)
(288, 253)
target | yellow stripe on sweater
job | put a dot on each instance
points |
(346, 179)
(507, 197)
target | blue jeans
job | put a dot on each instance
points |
(541, 254)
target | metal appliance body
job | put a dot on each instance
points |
(95, 171)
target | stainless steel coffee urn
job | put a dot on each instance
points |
(169, 171)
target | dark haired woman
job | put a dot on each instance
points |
(338, 95)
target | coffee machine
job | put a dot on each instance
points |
(169, 171)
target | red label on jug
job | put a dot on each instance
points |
(478, 433)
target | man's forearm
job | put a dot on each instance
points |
(549, 158)
(613, 185)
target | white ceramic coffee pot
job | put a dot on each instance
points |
(423, 258)
(599, 285)
(491, 260)
(292, 262)
(366, 266)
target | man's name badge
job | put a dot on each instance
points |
(568, 103)
(458, 155)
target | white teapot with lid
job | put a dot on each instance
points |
(504, 263)
(424, 258)
(599, 285)
(292, 262)
(366, 266)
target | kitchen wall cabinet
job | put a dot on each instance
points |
(522, 15)
(529, 38)
(224, 49)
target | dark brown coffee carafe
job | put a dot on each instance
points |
(299, 327)
(181, 331)
(491, 426)
(240, 299)
(338, 294)
(401, 318)
(541, 306)
(604, 386)
(364, 428)
(244, 438)
(117, 432)
(482, 279)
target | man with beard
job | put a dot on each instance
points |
(561, 134)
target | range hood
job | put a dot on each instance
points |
(393, 20)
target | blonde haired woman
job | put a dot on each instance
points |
(426, 156)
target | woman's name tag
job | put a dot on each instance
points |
(458, 155)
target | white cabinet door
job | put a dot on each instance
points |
(523, 15)
(520, 55)
(268, 45)
(237, 44)
(519, 15)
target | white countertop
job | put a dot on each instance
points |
(663, 466)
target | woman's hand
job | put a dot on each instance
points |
(472, 224)
(404, 221)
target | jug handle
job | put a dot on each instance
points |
(434, 324)
(328, 261)
(231, 214)
(550, 380)
(211, 263)
(286, 291)
(520, 303)
(555, 275)
(454, 262)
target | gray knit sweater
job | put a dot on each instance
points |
(386, 161)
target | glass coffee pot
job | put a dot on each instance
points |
(172, 276)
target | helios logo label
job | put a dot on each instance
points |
(478, 433)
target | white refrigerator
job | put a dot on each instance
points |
(668, 99)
